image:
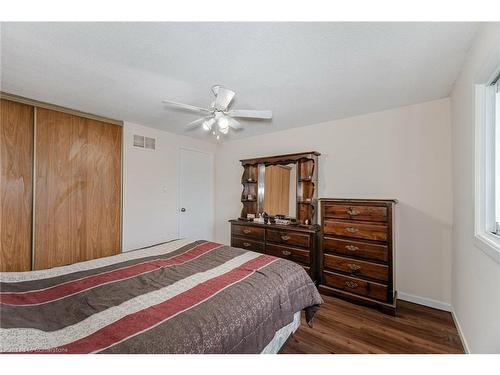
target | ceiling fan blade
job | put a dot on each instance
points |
(232, 123)
(187, 106)
(198, 122)
(250, 113)
(224, 96)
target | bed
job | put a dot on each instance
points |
(177, 297)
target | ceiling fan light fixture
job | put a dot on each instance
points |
(223, 124)
(207, 125)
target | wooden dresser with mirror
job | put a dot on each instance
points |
(284, 187)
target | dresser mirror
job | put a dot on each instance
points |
(280, 190)
(281, 186)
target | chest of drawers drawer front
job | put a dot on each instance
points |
(288, 238)
(355, 212)
(286, 252)
(355, 285)
(356, 267)
(247, 244)
(375, 232)
(248, 232)
(356, 249)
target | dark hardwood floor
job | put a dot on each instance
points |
(341, 327)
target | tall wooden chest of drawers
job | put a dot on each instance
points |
(357, 251)
(294, 243)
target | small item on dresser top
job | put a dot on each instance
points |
(250, 216)
(267, 218)
(259, 219)
(280, 221)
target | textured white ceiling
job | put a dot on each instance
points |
(305, 73)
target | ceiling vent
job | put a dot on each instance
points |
(144, 142)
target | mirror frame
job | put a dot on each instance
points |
(306, 184)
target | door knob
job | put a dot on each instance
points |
(183, 209)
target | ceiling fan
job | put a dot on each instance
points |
(219, 118)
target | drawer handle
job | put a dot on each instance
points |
(247, 244)
(353, 267)
(351, 284)
(351, 247)
(286, 252)
(285, 238)
(246, 231)
(352, 212)
(352, 230)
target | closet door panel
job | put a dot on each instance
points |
(16, 183)
(77, 201)
(103, 199)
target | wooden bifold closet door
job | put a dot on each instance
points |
(16, 196)
(77, 189)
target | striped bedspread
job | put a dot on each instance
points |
(177, 297)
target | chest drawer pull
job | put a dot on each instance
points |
(352, 212)
(246, 231)
(351, 284)
(351, 230)
(286, 252)
(247, 244)
(353, 267)
(351, 247)
(285, 237)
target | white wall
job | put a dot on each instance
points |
(404, 153)
(150, 186)
(476, 276)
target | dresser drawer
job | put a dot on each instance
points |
(247, 244)
(356, 267)
(375, 232)
(355, 285)
(248, 232)
(355, 212)
(356, 249)
(296, 255)
(288, 238)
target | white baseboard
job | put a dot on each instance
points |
(424, 301)
(460, 332)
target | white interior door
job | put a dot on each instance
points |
(196, 196)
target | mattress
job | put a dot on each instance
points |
(178, 297)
